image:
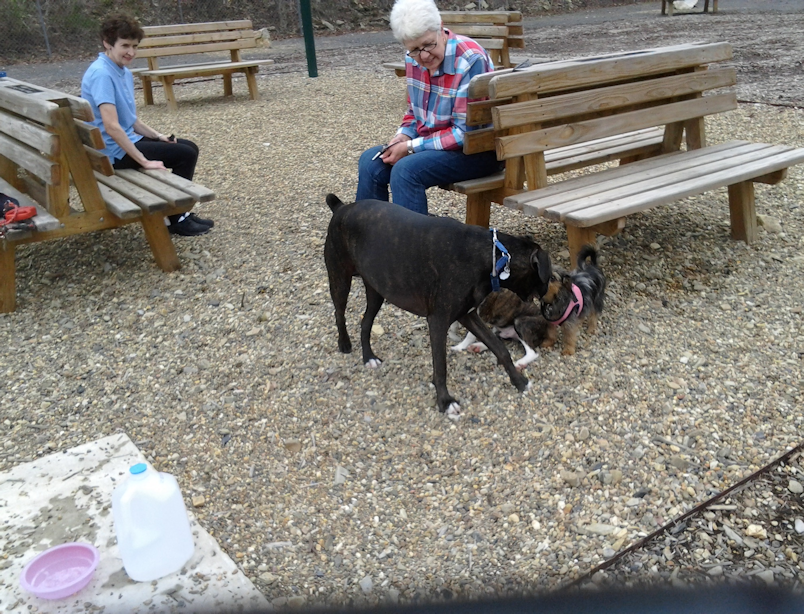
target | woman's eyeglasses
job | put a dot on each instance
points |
(415, 53)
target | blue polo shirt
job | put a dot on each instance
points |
(106, 82)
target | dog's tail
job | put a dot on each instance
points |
(334, 202)
(586, 252)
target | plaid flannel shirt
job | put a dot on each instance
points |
(436, 115)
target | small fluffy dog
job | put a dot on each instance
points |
(511, 318)
(573, 298)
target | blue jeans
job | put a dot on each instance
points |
(412, 175)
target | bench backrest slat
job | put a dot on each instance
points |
(556, 76)
(480, 16)
(241, 43)
(194, 39)
(31, 160)
(480, 31)
(190, 28)
(685, 55)
(490, 29)
(29, 133)
(610, 99)
(25, 105)
(568, 134)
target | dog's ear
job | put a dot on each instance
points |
(540, 260)
(566, 281)
(333, 202)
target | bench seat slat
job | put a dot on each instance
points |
(587, 185)
(118, 204)
(174, 197)
(660, 172)
(199, 193)
(146, 200)
(781, 158)
(142, 69)
(198, 70)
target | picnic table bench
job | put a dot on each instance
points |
(195, 39)
(45, 140)
(633, 107)
(497, 31)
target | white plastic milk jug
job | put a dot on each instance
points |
(150, 520)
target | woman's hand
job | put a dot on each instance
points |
(398, 149)
(153, 165)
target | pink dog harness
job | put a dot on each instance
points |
(578, 302)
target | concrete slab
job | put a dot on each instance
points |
(67, 497)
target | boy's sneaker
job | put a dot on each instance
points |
(188, 228)
(200, 220)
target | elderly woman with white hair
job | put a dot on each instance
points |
(427, 149)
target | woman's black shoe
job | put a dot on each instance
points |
(188, 228)
(201, 220)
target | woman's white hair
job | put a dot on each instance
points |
(411, 19)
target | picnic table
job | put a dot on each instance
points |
(47, 149)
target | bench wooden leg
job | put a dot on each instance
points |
(167, 84)
(743, 212)
(8, 278)
(227, 84)
(251, 79)
(478, 210)
(576, 239)
(147, 91)
(159, 239)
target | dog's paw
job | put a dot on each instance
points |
(467, 341)
(477, 347)
(453, 412)
(527, 388)
(373, 363)
(525, 361)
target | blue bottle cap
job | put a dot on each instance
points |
(138, 468)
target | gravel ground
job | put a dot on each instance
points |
(332, 484)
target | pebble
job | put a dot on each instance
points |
(795, 487)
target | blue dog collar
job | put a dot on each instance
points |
(500, 268)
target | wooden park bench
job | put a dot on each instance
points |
(196, 39)
(667, 7)
(637, 107)
(45, 141)
(497, 31)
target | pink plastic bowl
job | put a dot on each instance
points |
(60, 571)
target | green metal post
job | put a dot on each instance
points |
(309, 42)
